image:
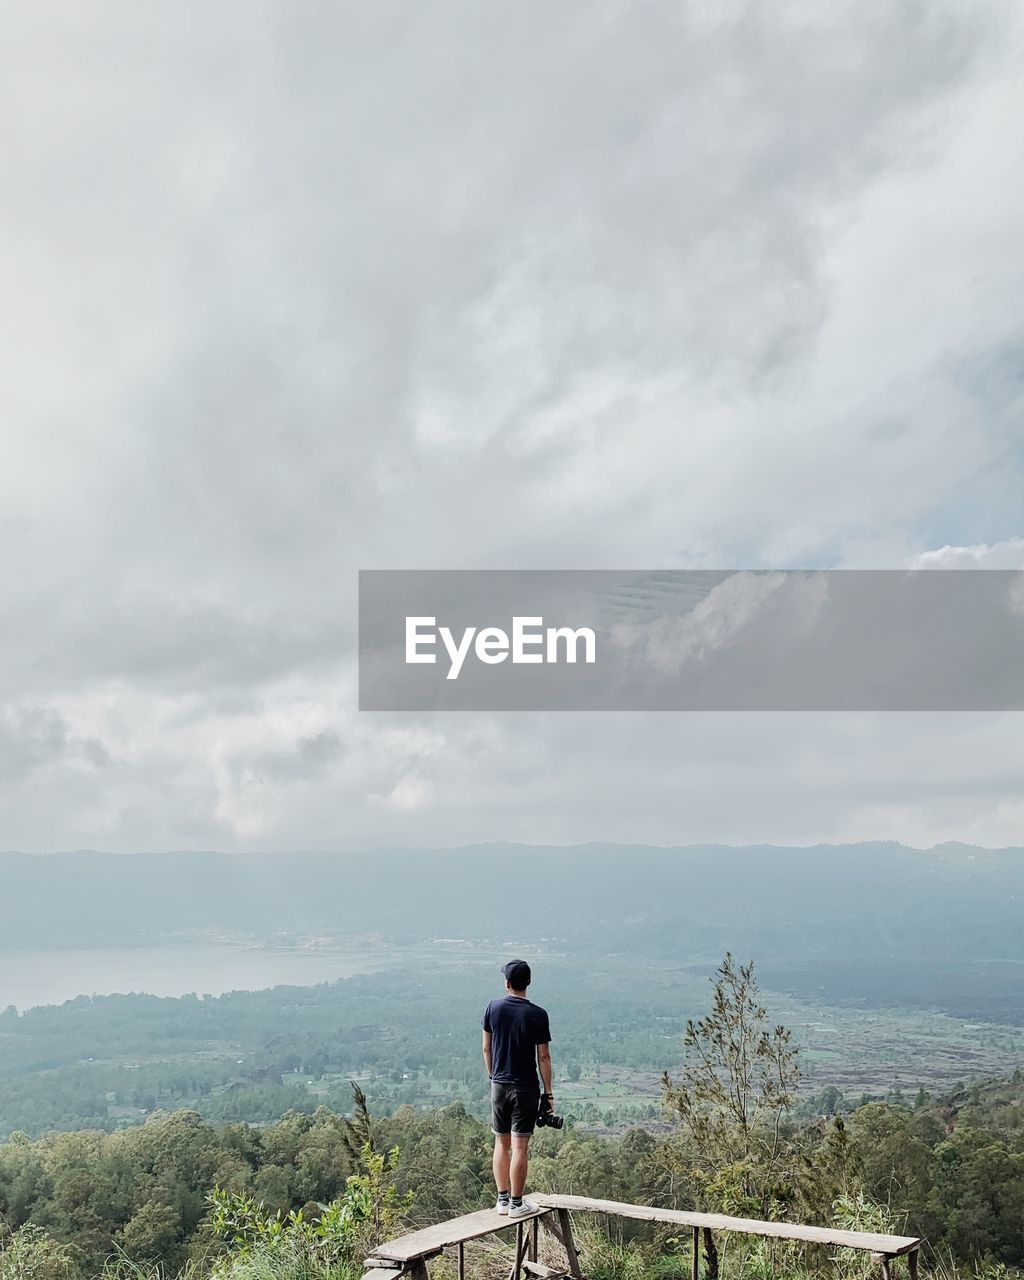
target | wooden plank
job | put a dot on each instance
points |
(572, 1257)
(711, 1254)
(541, 1272)
(431, 1240)
(375, 1272)
(891, 1246)
(389, 1264)
(520, 1250)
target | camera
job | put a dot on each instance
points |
(546, 1117)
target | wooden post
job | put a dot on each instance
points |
(572, 1257)
(548, 1224)
(886, 1267)
(711, 1253)
(912, 1264)
(517, 1266)
(462, 1260)
(695, 1267)
(535, 1243)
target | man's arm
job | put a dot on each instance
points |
(544, 1066)
(487, 1052)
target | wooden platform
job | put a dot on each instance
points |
(431, 1240)
(868, 1241)
(406, 1258)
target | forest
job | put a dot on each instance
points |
(179, 1194)
(409, 1036)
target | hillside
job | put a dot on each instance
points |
(879, 924)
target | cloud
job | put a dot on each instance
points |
(1001, 555)
(35, 739)
(734, 610)
(407, 794)
(312, 289)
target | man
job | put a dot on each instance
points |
(516, 1037)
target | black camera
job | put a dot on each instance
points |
(546, 1118)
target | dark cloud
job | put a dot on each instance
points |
(300, 289)
(306, 761)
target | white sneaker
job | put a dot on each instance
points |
(502, 1207)
(521, 1210)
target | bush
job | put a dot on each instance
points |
(330, 1244)
(31, 1254)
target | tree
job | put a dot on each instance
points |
(737, 1085)
(357, 1133)
(348, 1228)
(152, 1233)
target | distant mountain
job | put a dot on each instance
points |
(872, 923)
(874, 899)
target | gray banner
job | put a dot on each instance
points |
(764, 640)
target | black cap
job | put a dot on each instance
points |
(517, 974)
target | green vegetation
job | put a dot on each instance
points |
(107, 1062)
(736, 1089)
(103, 1062)
(306, 1196)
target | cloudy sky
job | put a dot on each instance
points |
(293, 289)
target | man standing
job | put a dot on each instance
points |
(516, 1036)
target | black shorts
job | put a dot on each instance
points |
(514, 1108)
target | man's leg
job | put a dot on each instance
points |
(524, 1117)
(501, 1127)
(518, 1164)
(501, 1162)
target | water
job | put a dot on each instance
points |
(29, 978)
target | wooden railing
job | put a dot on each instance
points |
(408, 1255)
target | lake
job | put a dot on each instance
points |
(49, 977)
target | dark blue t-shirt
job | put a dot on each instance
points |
(517, 1027)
